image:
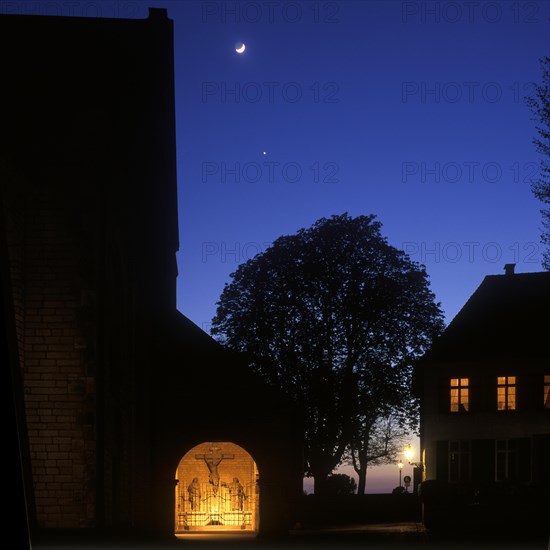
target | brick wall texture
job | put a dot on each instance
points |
(58, 381)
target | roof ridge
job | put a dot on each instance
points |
(499, 318)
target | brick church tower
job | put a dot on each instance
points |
(113, 386)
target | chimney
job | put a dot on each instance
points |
(509, 269)
(158, 13)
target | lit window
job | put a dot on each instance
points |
(547, 391)
(459, 394)
(506, 393)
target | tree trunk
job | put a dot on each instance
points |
(362, 473)
(360, 465)
(321, 465)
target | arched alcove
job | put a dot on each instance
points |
(216, 490)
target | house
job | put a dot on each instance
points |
(484, 389)
(121, 400)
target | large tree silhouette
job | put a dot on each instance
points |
(539, 103)
(334, 317)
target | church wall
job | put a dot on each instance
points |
(85, 181)
(59, 386)
(92, 235)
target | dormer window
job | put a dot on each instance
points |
(506, 393)
(459, 394)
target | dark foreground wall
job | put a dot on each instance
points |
(88, 192)
(348, 509)
(114, 386)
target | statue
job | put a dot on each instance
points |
(213, 460)
(214, 477)
(237, 496)
(194, 490)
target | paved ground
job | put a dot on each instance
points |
(393, 536)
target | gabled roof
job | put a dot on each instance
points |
(192, 355)
(508, 316)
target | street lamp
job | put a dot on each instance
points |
(409, 453)
(400, 466)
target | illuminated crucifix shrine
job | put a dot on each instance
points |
(216, 489)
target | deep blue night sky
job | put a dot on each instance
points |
(412, 111)
(366, 107)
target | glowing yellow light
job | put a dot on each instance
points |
(409, 453)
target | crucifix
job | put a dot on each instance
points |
(213, 460)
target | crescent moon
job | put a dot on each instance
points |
(241, 49)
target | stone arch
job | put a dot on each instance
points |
(216, 489)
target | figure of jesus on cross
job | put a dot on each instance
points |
(213, 460)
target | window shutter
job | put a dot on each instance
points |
(442, 461)
(489, 393)
(523, 391)
(524, 459)
(541, 458)
(476, 394)
(444, 395)
(522, 400)
(483, 460)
